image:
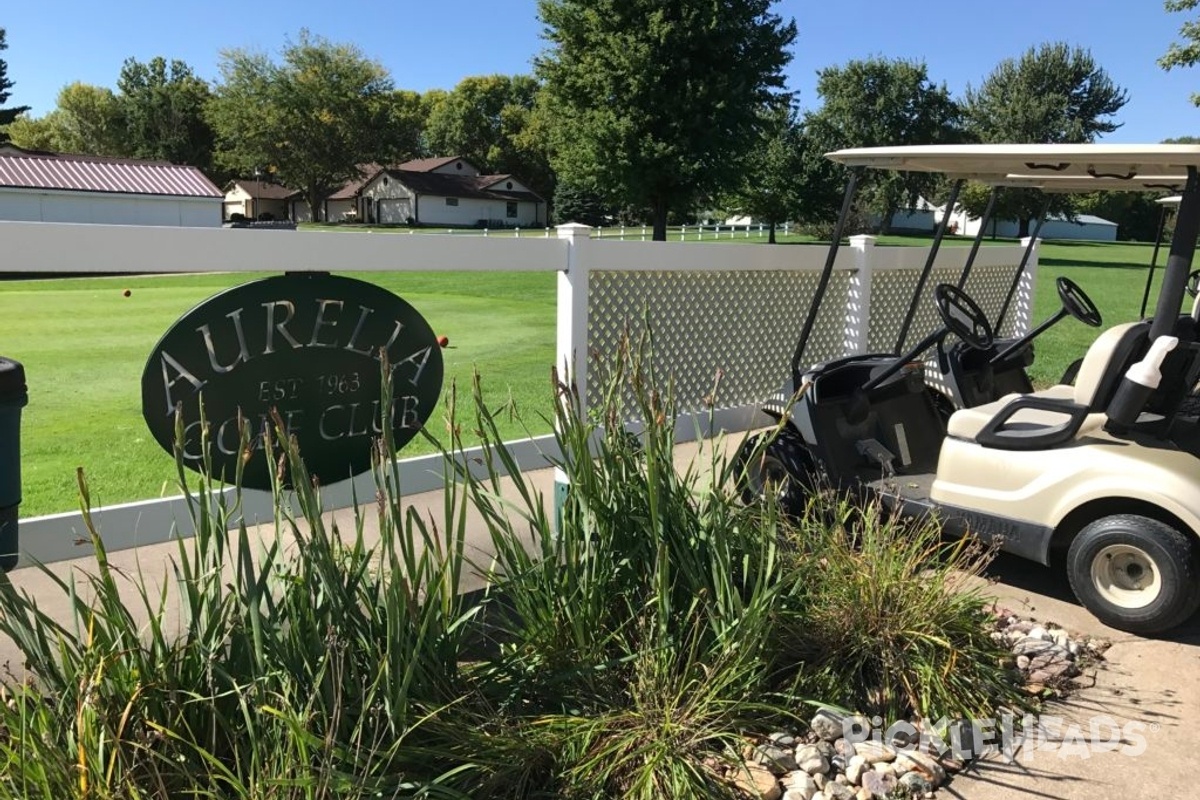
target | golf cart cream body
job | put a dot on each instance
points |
(1104, 471)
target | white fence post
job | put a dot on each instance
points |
(573, 307)
(1023, 310)
(572, 343)
(858, 304)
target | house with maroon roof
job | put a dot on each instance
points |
(40, 186)
(447, 191)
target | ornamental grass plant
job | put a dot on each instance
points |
(629, 643)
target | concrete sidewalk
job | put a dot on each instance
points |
(1148, 687)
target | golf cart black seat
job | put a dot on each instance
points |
(1062, 413)
(979, 381)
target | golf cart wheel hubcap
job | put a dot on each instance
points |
(1126, 576)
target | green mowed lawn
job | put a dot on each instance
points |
(1112, 274)
(84, 344)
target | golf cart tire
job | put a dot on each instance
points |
(786, 454)
(1107, 567)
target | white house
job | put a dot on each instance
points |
(37, 186)
(255, 199)
(432, 192)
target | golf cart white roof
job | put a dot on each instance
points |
(1095, 161)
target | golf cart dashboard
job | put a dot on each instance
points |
(843, 378)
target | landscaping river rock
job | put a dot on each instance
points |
(852, 757)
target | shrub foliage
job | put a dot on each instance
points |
(628, 644)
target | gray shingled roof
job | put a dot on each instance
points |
(427, 164)
(464, 186)
(35, 169)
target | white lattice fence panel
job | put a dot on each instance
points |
(891, 292)
(743, 324)
(988, 286)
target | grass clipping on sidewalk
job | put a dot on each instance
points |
(631, 648)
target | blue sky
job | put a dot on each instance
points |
(429, 45)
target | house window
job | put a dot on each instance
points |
(451, 201)
(508, 185)
(511, 209)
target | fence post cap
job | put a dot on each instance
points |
(573, 230)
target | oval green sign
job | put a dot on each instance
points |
(307, 346)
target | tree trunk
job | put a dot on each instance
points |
(1023, 228)
(771, 234)
(313, 198)
(885, 225)
(660, 220)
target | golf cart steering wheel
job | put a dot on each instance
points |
(1193, 284)
(1078, 304)
(963, 316)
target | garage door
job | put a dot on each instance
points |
(393, 210)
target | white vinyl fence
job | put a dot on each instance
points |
(714, 309)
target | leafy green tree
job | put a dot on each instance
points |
(658, 101)
(163, 105)
(877, 102)
(87, 119)
(770, 191)
(7, 115)
(487, 119)
(311, 120)
(407, 114)
(1135, 213)
(31, 133)
(1052, 94)
(577, 203)
(470, 120)
(1179, 54)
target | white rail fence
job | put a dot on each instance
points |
(639, 233)
(713, 309)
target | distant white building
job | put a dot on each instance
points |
(1085, 226)
(38, 186)
(923, 217)
(447, 191)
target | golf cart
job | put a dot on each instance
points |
(1105, 471)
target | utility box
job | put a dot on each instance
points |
(13, 397)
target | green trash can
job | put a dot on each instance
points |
(13, 397)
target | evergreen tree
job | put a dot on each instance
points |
(7, 115)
